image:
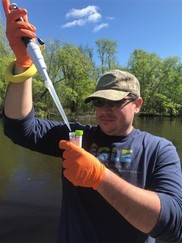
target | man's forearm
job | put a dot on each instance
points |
(139, 207)
(18, 101)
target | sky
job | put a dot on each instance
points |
(154, 26)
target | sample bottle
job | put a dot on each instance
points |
(76, 137)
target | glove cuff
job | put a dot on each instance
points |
(19, 78)
(101, 176)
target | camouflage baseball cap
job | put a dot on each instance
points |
(115, 85)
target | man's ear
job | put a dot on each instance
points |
(138, 104)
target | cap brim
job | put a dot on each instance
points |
(108, 94)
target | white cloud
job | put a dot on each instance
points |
(84, 16)
(91, 13)
(100, 26)
(79, 22)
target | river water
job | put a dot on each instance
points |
(30, 191)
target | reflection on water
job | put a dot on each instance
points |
(30, 191)
(170, 128)
(30, 195)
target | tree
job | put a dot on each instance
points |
(5, 58)
(160, 81)
(172, 79)
(77, 71)
(74, 72)
(70, 71)
(106, 50)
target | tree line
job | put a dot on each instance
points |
(74, 74)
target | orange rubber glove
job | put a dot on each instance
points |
(81, 167)
(15, 30)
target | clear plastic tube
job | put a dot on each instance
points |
(76, 137)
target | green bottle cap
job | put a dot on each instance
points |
(79, 132)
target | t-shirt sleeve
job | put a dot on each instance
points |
(167, 182)
(36, 134)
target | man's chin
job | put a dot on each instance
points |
(107, 130)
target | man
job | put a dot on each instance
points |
(124, 185)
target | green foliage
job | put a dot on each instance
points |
(70, 74)
(106, 50)
(74, 73)
(163, 106)
(41, 105)
(160, 80)
(5, 58)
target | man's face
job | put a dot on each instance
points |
(115, 120)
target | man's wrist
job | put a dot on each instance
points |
(22, 74)
(19, 70)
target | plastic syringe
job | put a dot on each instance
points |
(35, 54)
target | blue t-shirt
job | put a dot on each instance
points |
(144, 160)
